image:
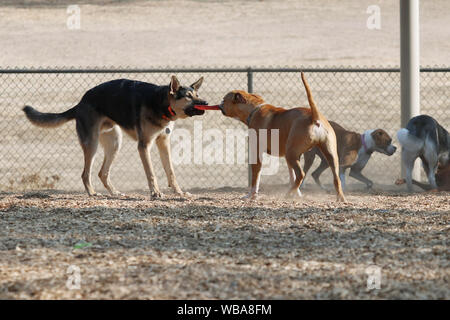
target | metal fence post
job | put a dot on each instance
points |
(409, 67)
(250, 80)
(249, 90)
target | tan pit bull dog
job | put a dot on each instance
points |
(300, 129)
(354, 151)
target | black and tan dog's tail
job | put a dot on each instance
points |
(49, 120)
(315, 114)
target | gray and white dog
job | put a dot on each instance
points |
(426, 139)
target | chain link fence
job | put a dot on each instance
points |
(359, 99)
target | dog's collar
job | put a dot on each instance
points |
(172, 113)
(253, 111)
(363, 141)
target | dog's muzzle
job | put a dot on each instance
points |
(191, 111)
(390, 150)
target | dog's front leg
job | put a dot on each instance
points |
(355, 173)
(358, 166)
(256, 173)
(143, 148)
(163, 143)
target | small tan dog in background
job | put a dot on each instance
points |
(300, 129)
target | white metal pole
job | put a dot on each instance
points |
(409, 66)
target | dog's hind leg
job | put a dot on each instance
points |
(309, 160)
(319, 170)
(431, 161)
(292, 177)
(408, 162)
(163, 144)
(342, 177)
(111, 141)
(293, 162)
(88, 133)
(330, 153)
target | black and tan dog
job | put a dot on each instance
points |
(143, 110)
(300, 129)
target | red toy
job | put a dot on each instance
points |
(201, 107)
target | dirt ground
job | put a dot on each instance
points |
(217, 246)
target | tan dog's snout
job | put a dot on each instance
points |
(225, 104)
(238, 104)
(230, 102)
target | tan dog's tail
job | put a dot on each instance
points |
(315, 114)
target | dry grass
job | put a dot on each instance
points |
(216, 246)
(34, 181)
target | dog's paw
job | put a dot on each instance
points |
(156, 195)
(399, 182)
(341, 198)
(182, 194)
(116, 193)
(250, 197)
(293, 194)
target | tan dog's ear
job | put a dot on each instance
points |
(238, 98)
(197, 84)
(174, 85)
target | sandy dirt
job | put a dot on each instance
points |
(215, 33)
(216, 246)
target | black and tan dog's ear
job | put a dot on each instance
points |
(238, 98)
(197, 84)
(174, 85)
